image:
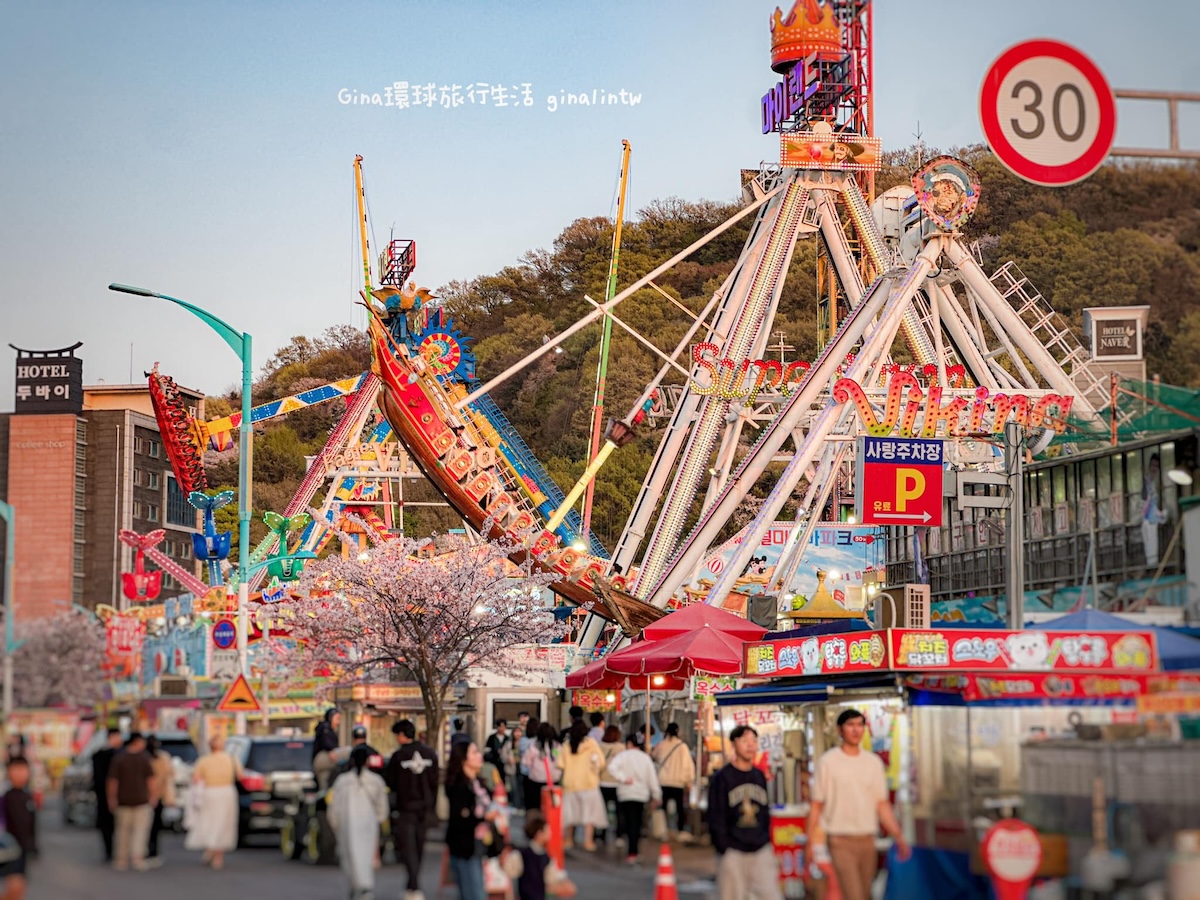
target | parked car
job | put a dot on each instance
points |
(79, 796)
(276, 773)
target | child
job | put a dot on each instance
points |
(20, 817)
(534, 873)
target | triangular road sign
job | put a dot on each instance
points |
(239, 698)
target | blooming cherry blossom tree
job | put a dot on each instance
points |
(433, 608)
(59, 661)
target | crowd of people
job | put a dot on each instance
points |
(606, 780)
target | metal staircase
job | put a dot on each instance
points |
(1052, 330)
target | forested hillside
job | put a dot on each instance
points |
(1130, 234)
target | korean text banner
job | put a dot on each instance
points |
(1023, 651)
(830, 654)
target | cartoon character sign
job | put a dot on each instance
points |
(810, 657)
(1028, 650)
(947, 191)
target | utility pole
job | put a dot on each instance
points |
(1014, 465)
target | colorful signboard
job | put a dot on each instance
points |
(829, 150)
(1023, 651)
(958, 416)
(1052, 686)
(708, 686)
(829, 654)
(899, 481)
(846, 554)
(593, 700)
(788, 840)
(962, 650)
(124, 636)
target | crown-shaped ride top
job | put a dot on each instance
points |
(811, 27)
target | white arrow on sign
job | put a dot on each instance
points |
(922, 517)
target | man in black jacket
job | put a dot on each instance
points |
(739, 820)
(101, 761)
(412, 776)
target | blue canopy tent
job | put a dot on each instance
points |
(1175, 651)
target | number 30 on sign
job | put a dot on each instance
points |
(1047, 112)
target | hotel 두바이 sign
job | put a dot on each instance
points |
(48, 381)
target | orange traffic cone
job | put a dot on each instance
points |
(664, 882)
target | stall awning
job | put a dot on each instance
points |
(806, 691)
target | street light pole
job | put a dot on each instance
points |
(8, 514)
(241, 344)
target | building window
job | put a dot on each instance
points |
(139, 445)
(152, 480)
(80, 461)
(168, 548)
(185, 550)
(153, 449)
(138, 477)
(179, 511)
(79, 536)
(151, 512)
(80, 431)
(137, 509)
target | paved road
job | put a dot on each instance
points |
(70, 869)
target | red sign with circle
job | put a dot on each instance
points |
(1012, 853)
(1047, 112)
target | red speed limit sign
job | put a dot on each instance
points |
(1047, 112)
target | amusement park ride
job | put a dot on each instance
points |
(984, 350)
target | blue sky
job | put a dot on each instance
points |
(200, 149)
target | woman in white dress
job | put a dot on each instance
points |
(213, 804)
(360, 806)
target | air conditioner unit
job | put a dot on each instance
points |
(912, 611)
(174, 686)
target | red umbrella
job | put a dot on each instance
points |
(697, 616)
(703, 650)
(596, 675)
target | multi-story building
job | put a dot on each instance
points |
(79, 464)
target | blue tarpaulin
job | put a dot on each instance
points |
(1174, 650)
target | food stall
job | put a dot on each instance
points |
(949, 709)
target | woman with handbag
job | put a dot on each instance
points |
(583, 804)
(676, 772)
(213, 804)
(470, 830)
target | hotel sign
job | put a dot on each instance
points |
(48, 381)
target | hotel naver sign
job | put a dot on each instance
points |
(49, 381)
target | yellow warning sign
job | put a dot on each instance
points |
(239, 698)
